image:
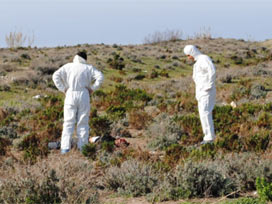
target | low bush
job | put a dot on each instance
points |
(192, 180)
(243, 169)
(164, 132)
(122, 96)
(138, 119)
(191, 125)
(4, 143)
(8, 132)
(203, 181)
(131, 178)
(117, 62)
(116, 112)
(68, 182)
(100, 126)
(164, 73)
(33, 147)
(153, 74)
(139, 77)
(89, 150)
(28, 190)
(245, 201)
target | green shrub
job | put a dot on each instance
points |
(139, 77)
(4, 143)
(153, 74)
(245, 201)
(121, 96)
(264, 189)
(100, 126)
(174, 153)
(192, 127)
(203, 152)
(117, 62)
(164, 73)
(33, 147)
(116, 112)
(89, 150)
(108, 146)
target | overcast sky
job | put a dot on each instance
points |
(71, 22)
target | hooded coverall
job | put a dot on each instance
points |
(204, 74)
(74, 79)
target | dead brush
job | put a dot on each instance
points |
(116, 79)
(4, 143)
(139, 119)
(74, 181)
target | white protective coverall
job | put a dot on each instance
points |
(74, 79)
(204, 74)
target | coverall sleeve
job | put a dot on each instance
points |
(98, 77)
(211, 75)
(58, 79)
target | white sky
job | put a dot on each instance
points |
(71, 22)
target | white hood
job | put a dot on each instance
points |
(192, 51)
(78, 59)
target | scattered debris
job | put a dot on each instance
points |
(120, 142)
(94, 139)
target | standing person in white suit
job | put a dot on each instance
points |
(204, 74)
(75, 80)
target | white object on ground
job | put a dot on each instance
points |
(233, 104)
(94, 139)
(37, 97)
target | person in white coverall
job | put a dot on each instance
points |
(204, 74)
(75, 80)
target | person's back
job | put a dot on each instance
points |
(78, 74)
(74, 79)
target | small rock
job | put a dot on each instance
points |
(233, 104)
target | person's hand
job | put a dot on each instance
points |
(90, 90)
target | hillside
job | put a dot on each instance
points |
(148, 99)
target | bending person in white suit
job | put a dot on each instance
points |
(75, 80)
(204, 75)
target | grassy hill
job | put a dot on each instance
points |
(148, 99)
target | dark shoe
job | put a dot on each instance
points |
(206, 142)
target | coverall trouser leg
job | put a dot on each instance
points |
(205, 107)
(70, 113)
(83, 124)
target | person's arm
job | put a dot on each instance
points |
(58, 79)
(211, 74)
(98, 77)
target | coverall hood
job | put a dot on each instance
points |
(192, 51)
(78, 59)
